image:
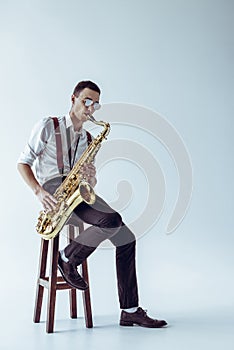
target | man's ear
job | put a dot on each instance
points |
(73, 98)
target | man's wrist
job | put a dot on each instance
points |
(36, 189)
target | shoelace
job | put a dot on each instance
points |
(144, 312)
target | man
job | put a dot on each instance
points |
(106, 223)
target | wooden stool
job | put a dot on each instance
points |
(53, 283)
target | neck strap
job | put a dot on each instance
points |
(59, 149)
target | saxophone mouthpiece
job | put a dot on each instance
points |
(91, 118)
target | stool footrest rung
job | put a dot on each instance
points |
(59, 278)
(61, 284)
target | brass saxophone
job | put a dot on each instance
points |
(73, 190)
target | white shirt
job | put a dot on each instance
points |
(40, 151)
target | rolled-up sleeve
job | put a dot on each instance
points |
(37, 142)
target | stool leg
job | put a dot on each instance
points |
(52, 285)
(41, 274)
(86, 293)
(73, 303)
(72, 292)
(86, 297)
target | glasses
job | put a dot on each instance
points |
(88, 102)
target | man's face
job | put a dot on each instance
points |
(79, 110)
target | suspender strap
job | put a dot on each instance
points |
(89, 137)
(59, 149)
(69, 146)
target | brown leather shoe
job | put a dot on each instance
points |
(140, 318)
(71, 275)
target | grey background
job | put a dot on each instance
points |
(174, 57)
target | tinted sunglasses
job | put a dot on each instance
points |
(88, 102)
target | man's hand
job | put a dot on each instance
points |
(47, 200)
(88, 171)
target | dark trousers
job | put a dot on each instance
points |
(107, 224)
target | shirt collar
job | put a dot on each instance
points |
(70, 125)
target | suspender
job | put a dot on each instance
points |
(89, 137)
(59, 149)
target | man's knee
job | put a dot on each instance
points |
(111, 221)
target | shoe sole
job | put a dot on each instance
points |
(131, 324)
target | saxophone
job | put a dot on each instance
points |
(72, 191)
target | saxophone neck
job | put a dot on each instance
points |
(101, 123)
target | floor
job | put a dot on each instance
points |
(198, 330)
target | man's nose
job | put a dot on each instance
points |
(91, 109)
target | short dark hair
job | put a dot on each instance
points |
(85, 84)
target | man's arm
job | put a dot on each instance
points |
(47, 200)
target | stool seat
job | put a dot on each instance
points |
(52, 282)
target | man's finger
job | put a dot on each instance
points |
(50, 199)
